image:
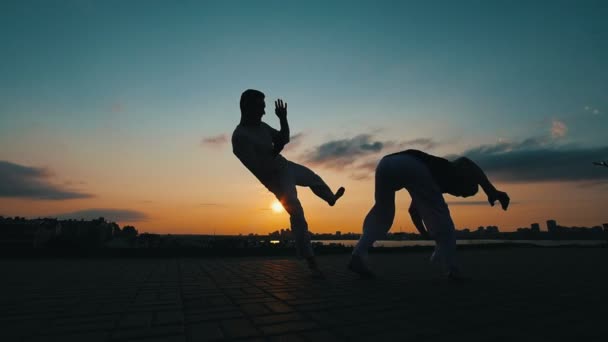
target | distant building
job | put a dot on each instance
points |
(551, 226)
(535, 228)
(492, 229)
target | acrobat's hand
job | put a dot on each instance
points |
(502, 197)
(280, 109)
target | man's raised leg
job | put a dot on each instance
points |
(306, 177)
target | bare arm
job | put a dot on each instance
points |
(483, 181)
(282, 138)
(417, 220)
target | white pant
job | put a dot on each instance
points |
(284, 188)
(399, 171)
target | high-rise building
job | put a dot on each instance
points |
(535, 228)
(551, 226)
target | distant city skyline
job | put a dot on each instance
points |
(125, 109)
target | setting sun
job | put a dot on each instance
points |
(276, 207)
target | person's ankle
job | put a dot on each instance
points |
(312, 263)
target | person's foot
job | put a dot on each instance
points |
(337, 196)
(315, 272)
(358, 265)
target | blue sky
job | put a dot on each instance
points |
(141, 83)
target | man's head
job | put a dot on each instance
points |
(467, 182)
(252, 106)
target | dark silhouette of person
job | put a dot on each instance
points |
(426, 178)
(258, 147)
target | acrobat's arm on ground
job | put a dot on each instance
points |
(417, 220)
(483, 181)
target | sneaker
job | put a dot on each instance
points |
(359, 266)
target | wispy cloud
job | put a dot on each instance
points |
(337, 154)
(592, 110)
(115, 215)
(211, 204)
(535, 160)
(215, 141)
(31, 182)
(360, 154)
(424, 143)
(558, 129)
(295, 141)
(475, 203)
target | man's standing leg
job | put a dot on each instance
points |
(287, 194)
(437, 219)
(299, 226)
(378, 221)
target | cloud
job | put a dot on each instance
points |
(294, 142)
(425, 143)
(467, 203)
(360, 154)
(592, 110)
(476, 203)
(535, 160)
(115, 215)
(215, 141)
(558, 129)
(340, 153)
(30, 182)
(211, 204)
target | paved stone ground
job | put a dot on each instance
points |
(539, 294)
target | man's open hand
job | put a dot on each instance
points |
(280, 109)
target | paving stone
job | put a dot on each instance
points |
(136, 320)
(210, 331)
(169, 317)
(159, 331)
(288, 327)
(238, 328)
(536, 290)
(276, 318)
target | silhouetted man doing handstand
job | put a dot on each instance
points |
(426, 178)
(258, 147)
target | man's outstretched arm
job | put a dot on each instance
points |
(417, 220)
(282, 138)
(483, 181)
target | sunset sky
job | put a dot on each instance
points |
(124, 109)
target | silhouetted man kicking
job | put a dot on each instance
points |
(258, 147)
(426, 178)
